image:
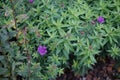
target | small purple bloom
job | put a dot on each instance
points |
(42, 50)
(100, 19)
(31, 1)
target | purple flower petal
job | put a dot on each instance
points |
(31, 1)
(100, 19)
(42, 50)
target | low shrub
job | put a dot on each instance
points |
(37, 37)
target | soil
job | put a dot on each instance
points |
(104, 69)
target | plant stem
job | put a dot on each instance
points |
(15, 26)
(28, 65)
(14, 16)
(28, 54)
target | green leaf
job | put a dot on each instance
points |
(3, 71)
(2, 58)
(62, 32)
(22, 17)
(66, 54)
(67, 48)
(4, 79)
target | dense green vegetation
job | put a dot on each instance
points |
(37, 37)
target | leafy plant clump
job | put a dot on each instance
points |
(37, 37)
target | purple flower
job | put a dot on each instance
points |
(31, 1)
(42, 50)
(100, 19)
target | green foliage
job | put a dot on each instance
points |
(64, 27)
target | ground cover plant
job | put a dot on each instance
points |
(41, 38)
